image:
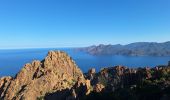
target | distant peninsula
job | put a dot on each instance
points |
(133, 49)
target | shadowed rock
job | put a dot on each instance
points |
(4, 83)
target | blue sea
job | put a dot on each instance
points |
(11, 61)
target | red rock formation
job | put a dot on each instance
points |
(56, 72)
(82, 86)
(91, 73)
(120, 70)
(99, 87)
(104, 72)
(4, 83)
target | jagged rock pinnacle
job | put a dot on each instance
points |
(56, 72)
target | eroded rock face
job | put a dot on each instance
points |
(99, 87)
(4, 83)
(82, 87)
(58, 78)
(91, 74)
(79, 91)
(56, 72)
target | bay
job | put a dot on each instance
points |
(11, 61)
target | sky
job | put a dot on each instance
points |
(79, 23)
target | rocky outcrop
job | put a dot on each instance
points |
(123, 83)
(91, 73)
(56, 72)
(4, 83)
(57, 77)
(82, 88)
(79, 91)
(99, 88)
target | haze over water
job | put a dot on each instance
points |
(11, 61)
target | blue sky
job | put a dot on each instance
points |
(75, 23)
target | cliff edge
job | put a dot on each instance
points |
(56, 72)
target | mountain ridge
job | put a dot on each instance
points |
(132, 49)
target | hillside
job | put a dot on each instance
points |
(133, 49)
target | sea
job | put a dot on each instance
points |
(12, 60)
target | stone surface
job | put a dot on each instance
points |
(92, 71)
(58, 78)
(82, 88)
(91, 74)
(99, 87)
(56, 72)
(4, 83)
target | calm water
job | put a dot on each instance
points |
(11, 61)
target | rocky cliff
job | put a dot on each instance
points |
(57, 77)
(56, 72)
(123, 83)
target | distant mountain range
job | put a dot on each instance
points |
(133, 49)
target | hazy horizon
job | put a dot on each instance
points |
(75, 23)
(53, 47)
